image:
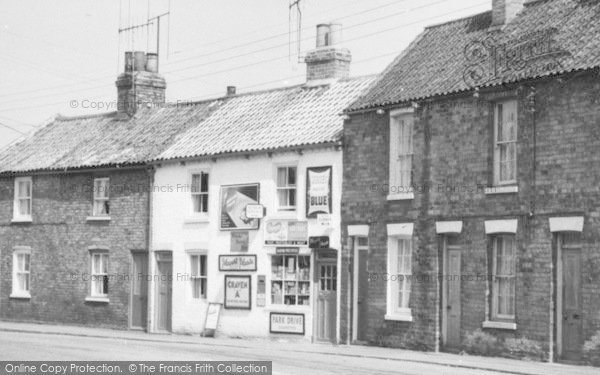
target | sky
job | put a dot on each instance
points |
(63, 56)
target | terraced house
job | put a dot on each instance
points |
(470, 206)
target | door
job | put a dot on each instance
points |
(326, 301)
(164, 268)
(571, 304)
(362, 292)
(139, 290)
(452, 297)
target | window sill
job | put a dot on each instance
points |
(406, 317)
(401, 197)
(97, 218)
(26, 219)
(20, 296)
(509, 189)
(196, 220)
(97, 299)
(499, 325)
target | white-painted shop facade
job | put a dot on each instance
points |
(245, 211)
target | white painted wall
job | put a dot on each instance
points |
(173, 229)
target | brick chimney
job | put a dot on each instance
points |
(329, 60)
(140, 84)
(503, 11)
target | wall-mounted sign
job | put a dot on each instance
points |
(321, 242)
(285, 232)
(212, 319)
(318, 191)
(255, 211)
(324, 220)
(287, 250)
(261, 296)
(237, 262)
(239, 241)
(234, 199)
(238, 292)
(287, 323)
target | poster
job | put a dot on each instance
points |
(287, 323)
(239, 241)
(318, 191)
(234, 199)
(238, 292)
(286, 232)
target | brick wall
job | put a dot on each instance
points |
(327, 62)
(146, 88)
(60, 236)
(453, 163)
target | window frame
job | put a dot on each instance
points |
(288, 188)
(16, 199)
(297, 280)
(16, 292)
(497, 143)
(200, 276)
(401, 153)
(97, 198)
(204, 210)
(494, 313)
(94, 276)
(394, 310)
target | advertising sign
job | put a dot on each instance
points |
(318, 191)
(234, 199)
(238, 292)
(255, 211)
(237, 262)
(287, 323)
(239, 241)
(321, 242)
(212, 319)
(286, 232)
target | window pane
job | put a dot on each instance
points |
(292, 197)
(203, 265)
(196, 183)
(282, 197)
(281, 177)
(104, 258)
(194, 265)
(292, 176)
(197, 203)
(25, 206)
(105, 285)
(23, 189)
(204, 183)
(204, 198)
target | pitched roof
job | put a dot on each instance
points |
(455, 56)
(103, 140)
(272, 119)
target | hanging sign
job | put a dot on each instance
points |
(286, 232)
(234, 199)
(237, 262)
(238, 292)
(318, 191)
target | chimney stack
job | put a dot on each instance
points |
(230, 90)
(140, 83)
(503, 11)
(329, 60)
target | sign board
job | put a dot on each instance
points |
(286, 323)
(234, 199)
(239, 241)
(287, 250)
(238, 292)
(255, 211)
(318, 191)
(261, 296)
(286, 232)
(237, 262)
(321, 242)
(324, 220)
(212, 319)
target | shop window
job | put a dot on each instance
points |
(290, 280)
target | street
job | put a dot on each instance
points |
(41, 346)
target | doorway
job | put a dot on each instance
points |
(326, 310)
(139, 290)
(451, 286)
(361, 289)
(164, 287)
(569, 304)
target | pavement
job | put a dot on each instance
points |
(284, 348)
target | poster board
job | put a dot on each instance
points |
(318, 191)
(234, 199)
(212, 319)
(238, 292)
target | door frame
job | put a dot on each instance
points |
(131, 272)
(316, 275)
(356, 248)
(156, 292)
(558, 308)
(444, 287)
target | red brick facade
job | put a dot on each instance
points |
(60, 239)
(557, 172)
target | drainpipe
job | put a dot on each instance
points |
(150, 286)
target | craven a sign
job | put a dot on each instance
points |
(318, 191)
(238, 292)
(286, 233)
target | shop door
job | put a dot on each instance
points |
(571, 304)
(326, 301)
(139, 290)
(452, 280)
(164, 270)
(362, 307)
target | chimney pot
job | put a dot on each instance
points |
(152, 62)
(231, 90)
(329, 60)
